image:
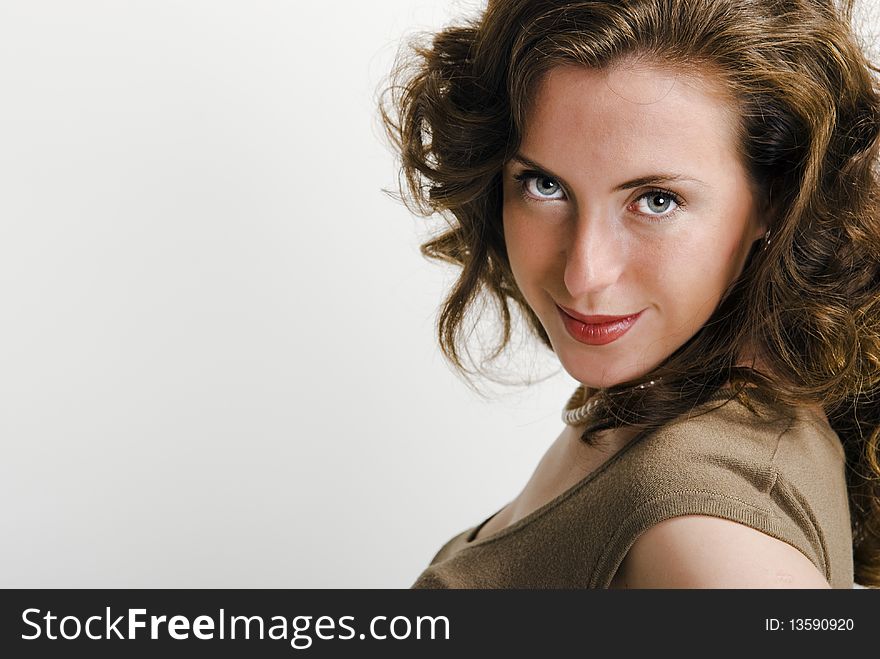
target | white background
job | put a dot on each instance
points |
(218, 365)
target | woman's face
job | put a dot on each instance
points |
(626, 197)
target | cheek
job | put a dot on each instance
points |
(691, 273)
(526, 246)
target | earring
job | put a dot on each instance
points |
(767, 239)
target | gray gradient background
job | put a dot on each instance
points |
(217, 365)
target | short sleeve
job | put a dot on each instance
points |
(784, 479)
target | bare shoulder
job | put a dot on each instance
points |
(701, 551)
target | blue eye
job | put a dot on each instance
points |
(535, 185)
(658, 203)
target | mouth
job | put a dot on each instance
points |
(596, 319)
(596, 329)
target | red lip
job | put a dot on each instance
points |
(595, 320)
(597, 333)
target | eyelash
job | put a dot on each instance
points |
(527, 175)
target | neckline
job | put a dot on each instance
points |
(524, 521)
(538, 512)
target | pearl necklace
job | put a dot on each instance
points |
(577, 410)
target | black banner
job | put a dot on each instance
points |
(424, 623)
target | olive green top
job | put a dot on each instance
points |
(784, 477)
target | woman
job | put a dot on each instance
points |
(679, 197)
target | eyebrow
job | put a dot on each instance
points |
(651, 179)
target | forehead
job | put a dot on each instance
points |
(635, 109)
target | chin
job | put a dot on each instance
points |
(600, 377)
(600, 373)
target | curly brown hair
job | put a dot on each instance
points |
(809, 133)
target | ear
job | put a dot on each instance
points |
(764, 212)
(761, 228)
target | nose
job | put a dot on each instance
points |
(594, 258)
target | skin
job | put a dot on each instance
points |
(575, 239)
(597, 250)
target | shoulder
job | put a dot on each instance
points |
(701, 551)
(722, 428)
(727, 448)
(731, 500)
(720, 453)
